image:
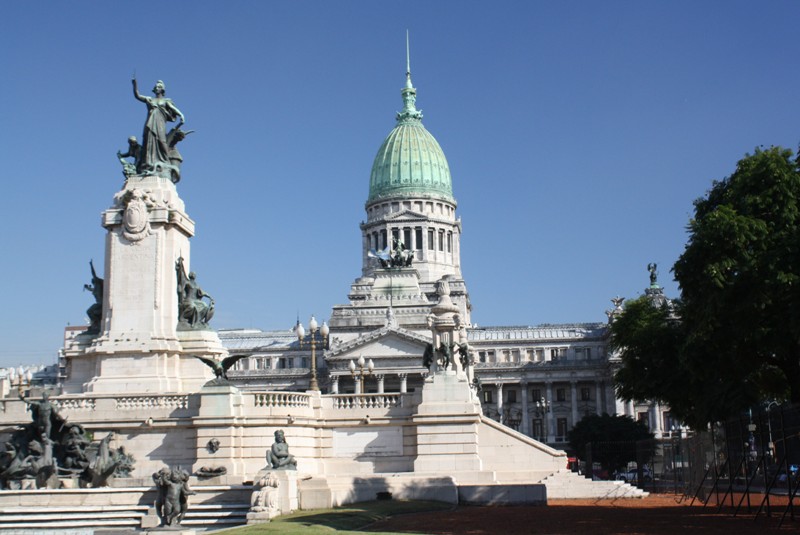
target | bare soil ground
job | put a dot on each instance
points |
(655, 515)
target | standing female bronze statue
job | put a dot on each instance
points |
(154, 154)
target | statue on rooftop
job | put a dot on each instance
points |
(393, 257)
(193, 312)
(652, 268)
(157, 153)
(278, 456)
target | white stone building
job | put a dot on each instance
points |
(538, 380)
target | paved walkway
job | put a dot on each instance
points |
(654, 515)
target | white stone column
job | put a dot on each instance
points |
(403, 382)
(658, 425)
(598, 393)
(380, 383)
(335, 384)
(550, 425)
(526, 423)
(500, 400)
(574, 391)
(357, 384)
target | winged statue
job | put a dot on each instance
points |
(220, 367)
(384, 256)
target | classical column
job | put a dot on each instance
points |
(500, 400)
(658, 425)
(335, 384)
(380, 383)
(574, 390)
(358, 385)
(598, 394)
(549, 426)
(526, 423)
(403, 382)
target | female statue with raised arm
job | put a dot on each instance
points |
(154, 152)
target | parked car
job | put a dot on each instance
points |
(632, 476)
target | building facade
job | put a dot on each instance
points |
(538, 380)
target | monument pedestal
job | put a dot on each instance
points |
(447, 422)
(219, 430)
(138, 349)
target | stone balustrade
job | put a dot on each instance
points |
(130, 403)
(282, 399)
(367, 401)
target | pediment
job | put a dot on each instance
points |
(386, 343)
(406, 214)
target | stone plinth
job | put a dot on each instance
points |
(219, 430)
(447, 421)
(138, 348)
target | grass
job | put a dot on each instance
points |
(345, 520)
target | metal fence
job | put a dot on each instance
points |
(747, 464)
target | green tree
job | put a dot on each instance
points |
(613, 439)
(737, 340)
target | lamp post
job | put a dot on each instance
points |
(312, 331)
(21, 378)
(361, 372)
(542, 408)
(771, 444)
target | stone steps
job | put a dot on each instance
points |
(33, 512)
(565, 484)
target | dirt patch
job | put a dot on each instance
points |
(654, 515)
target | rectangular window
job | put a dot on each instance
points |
(441, 240)
(383, 239)
(538, 429)
(395, 235)
(418, 236)
(449, 242)
(487, 396)
(481, 356)
(281, 363)
(430, 239)
(561, 394)
(644, 417)
(539, 355)
(512, 396)
(561, 426)
(290, 362)
(407, 238)
(536, 394)
(585, 394)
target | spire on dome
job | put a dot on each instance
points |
(410, 111)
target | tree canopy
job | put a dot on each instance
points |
(613, 438)
(737, 337)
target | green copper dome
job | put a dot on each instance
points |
(410, 163)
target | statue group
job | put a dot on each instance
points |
(172, 501)
(49, 448)
(157, 154)
(193, 312)
(393, 257)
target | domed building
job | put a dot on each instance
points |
(540, 380)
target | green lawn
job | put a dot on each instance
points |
(341, 520)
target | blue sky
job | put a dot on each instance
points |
(578, 134)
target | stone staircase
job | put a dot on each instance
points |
(566, 484)
(84, 511)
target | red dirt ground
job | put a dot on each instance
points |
(654, 515)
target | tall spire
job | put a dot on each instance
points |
(410, 112)
(408, 65)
